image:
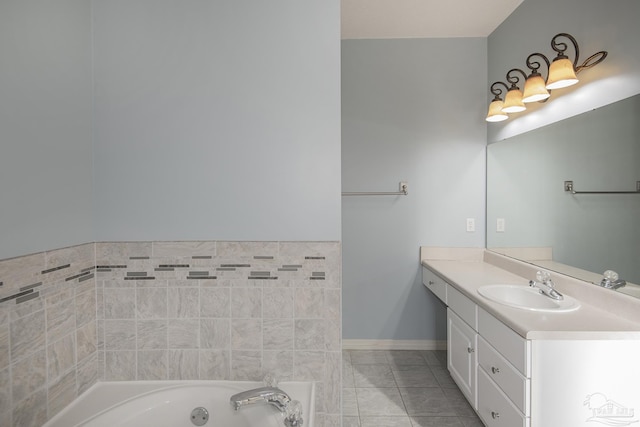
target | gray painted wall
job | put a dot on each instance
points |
(45, 125)
(217, 120)
(412, 109)
(597, 25)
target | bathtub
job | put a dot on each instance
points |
(170, 404)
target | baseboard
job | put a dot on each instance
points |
(393, 344)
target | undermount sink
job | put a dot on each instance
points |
(526, 298)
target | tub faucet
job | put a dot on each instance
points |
(291, 409)
(611, 280)
(545, 284)
(271, 395)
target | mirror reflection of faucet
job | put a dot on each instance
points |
(544, 283)
(611, 280)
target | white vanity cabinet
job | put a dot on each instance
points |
(573, 369)
(462, 361)
(487, 360)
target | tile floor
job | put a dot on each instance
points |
(402, 388)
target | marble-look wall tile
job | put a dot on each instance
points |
(5, 398)
(120, 334)
(28, 375)
(86, 341)
(32, 411)
(246, 334)
(152, 364)
(183, 303)
(215, 334)
(4, 344)
(183, 364)
(151, 303)
(87, 373)
(309, 303)
(120, 365)
(183, 333)
(43, 338)
(151, 334)
(61, 318)
(86, 305)
(215, 364)
(309, 334)
(184, 249)
(215, 302)
(277, 334)
(61, 393)
(277, 303)
(119, 303)
(27, 335)
(246, 303)
(61, 356)
(246, 365)
(183, 310)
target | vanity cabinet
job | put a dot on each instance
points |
(576, 369)
(461, 355)
(490, 363)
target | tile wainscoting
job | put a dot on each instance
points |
(169, 310)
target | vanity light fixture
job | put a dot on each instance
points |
(495, 108)
(561, 72)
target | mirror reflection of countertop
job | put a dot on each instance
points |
(603, 314)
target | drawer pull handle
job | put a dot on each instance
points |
(495, 370)
(470, 350)
(431, 282)
(495, 415)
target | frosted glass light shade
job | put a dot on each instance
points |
(513, 102)
(495, 112)
(534, 89)
(561, 74)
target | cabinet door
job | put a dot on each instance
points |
(461, 355)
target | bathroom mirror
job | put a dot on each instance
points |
(581, 235)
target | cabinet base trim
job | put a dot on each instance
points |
(355, 344)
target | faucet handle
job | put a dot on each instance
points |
(270, 380)
(293, 414)
(543, 276)
(611, 275)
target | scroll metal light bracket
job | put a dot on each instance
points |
(568, 187)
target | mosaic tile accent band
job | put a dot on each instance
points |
(168, 310)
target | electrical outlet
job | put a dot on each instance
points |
(500, 225)
(471, 225)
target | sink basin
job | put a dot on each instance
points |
(527, 298)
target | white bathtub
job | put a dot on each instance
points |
(169, 404)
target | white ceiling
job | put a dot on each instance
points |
(378, 19)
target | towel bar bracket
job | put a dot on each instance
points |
(403, 191)
(568, 187)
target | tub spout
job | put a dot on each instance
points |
(271, 395)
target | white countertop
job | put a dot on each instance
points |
(603, 314)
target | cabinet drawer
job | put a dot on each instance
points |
(463, 307)
(509, 344)
(512, 383)
(495, 409)
(435, 284)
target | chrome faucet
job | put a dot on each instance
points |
(544, 283)
(611, 280)
(271, 395)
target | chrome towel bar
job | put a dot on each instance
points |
(404, 190)
(568, 186)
